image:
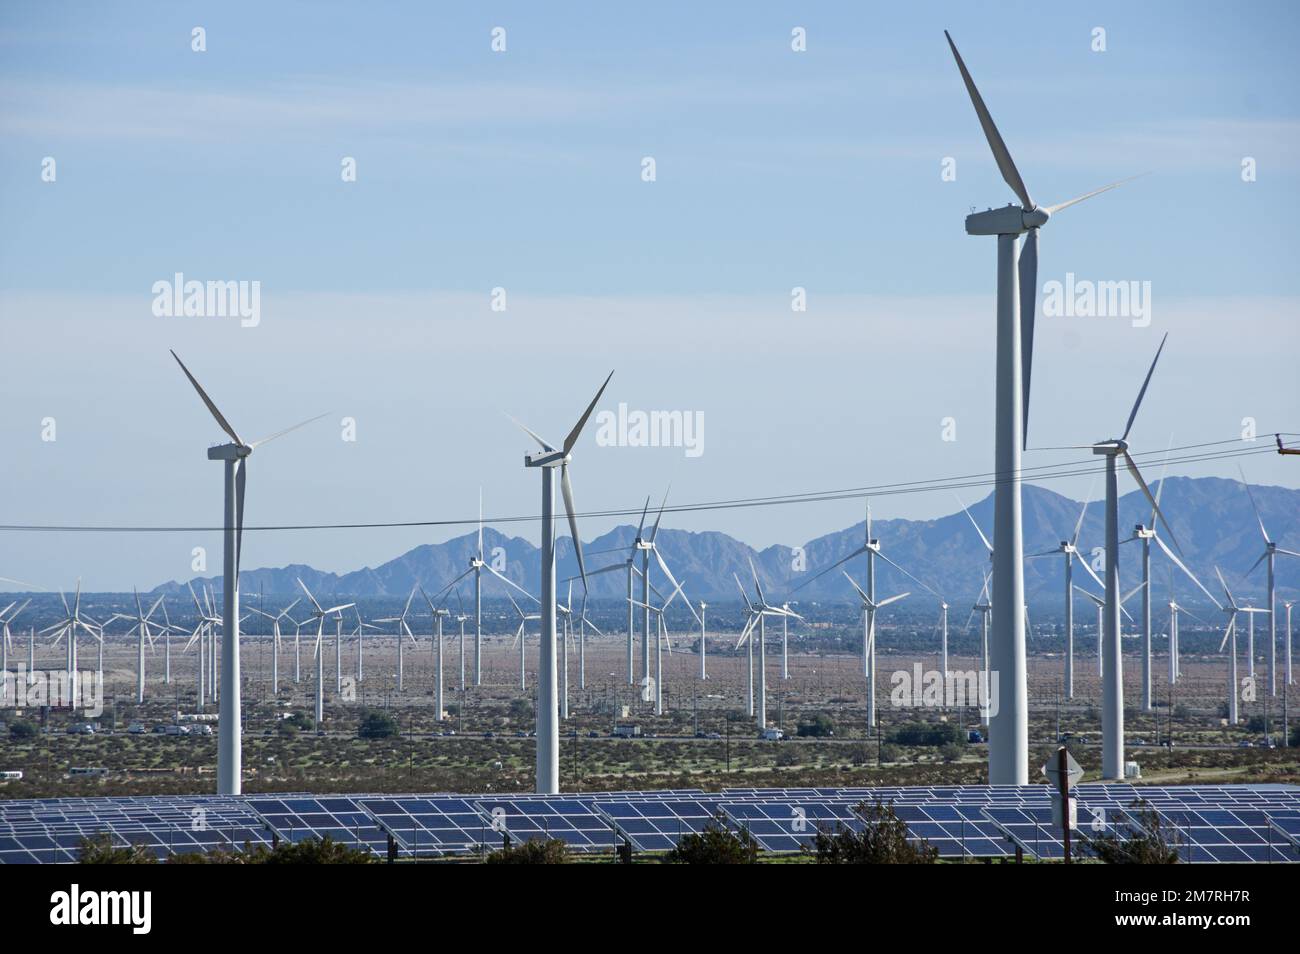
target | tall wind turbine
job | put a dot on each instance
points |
(439, 614)
(521, 636)
(704, 651)
(760, 610)
(73, 620)
(1112, 704)
(546, 460)
(871, 547)
(1230, 633)
(630, 568)
(275, 619)
(319, 613)
(1148, 533)
(7, 616)
(1271, 550)
(1070, 550)
(234, 457)
(143, 633)
(1017, 288)
(404, 630)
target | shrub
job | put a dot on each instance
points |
(928, 733)
(376, 724)
(715, 845)
(819, 727)
(100, 850)
(22, 730)
(551, 851)
(1142, 844)
(882, 841)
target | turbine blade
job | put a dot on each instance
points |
(988, 546)
(1155, 507)
(1188, 573)
(1000, 152)
(1028, 302)
(838, 563)
(241, 473)
(1142, 393)
(212, 408)
(1253, 505)
(544, 445)
(572, 514)
(510, 582)
(1053, 209)
(304, 589)
(1078, 526)
(654, 532)
(929, 589)
(854, 583)
(271, 437)
(582, 421)
(758, 587)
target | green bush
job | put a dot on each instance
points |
(1145, 844)
(551, 851)
(23, 730)
(882, 841)
(377, 724)
(819, 726)
(928, 733)
(715, 845)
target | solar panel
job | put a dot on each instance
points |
(785, 826)
(301, 817)
(571, 819)
(1222, 835)
(658, 824)
(1031, 829)
(429, 825)
(1288, 826)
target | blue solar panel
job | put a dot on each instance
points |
(785, 826)
(429, 825)
(571, 819)
(302, 817)
(658, 824)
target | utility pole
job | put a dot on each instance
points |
(1065, 800)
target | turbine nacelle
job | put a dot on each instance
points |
(229, 451)
(1008, 220)
(1110, 448)
(547, 458)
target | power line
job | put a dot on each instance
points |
(1086, 467)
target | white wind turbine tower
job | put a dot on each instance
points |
(580, 641)
(547, 459)
(1271, 550)
(142, 623)
(871, 547)
(759, 611)
(439, 614)
(870, 607)
(1175, 608)
(7, 616)
(275, 619)
(404, 629)
(1017, 286)
(984, 607)
(520, 639)
(1100, 603)
(203, 633)
(319, 613)
(1230, 633)
(461, 618)
(629, 566)
(234, 457)
(72, 621)
(1147, 533)
(662, 639)
(168, 630)
(1112, 706)
(704, 653)
(1070, 550)
(360, 633)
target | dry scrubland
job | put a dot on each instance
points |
(288, 755)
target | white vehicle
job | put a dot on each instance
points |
(772, 735)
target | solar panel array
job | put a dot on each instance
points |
(1206, 823)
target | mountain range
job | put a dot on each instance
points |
(1212, 520)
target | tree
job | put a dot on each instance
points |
(882, 841)
(928, 733)
(23, 730)
(376, 724)
(1142, 843)
(819, 726)
(715, 845)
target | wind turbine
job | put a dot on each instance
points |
(1112, 706)
(1175, 608)
(759, 610)
(704, 643)
(275, 639)
(871, 547)
(439, 613)
(360, 633)
(1100, 603)
(630, 567)
(67, 628)
(404, 629)
(1017, 288)
(1232, 609)
(547, 459)
(871, 606)
(7, 616)
(1271, 550)
(520, 637)
(142, 622)
(203, 632)
(319, 613)
(1070, 550)
(984, 607)
(234, 457)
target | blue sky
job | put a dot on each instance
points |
(521, 169)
